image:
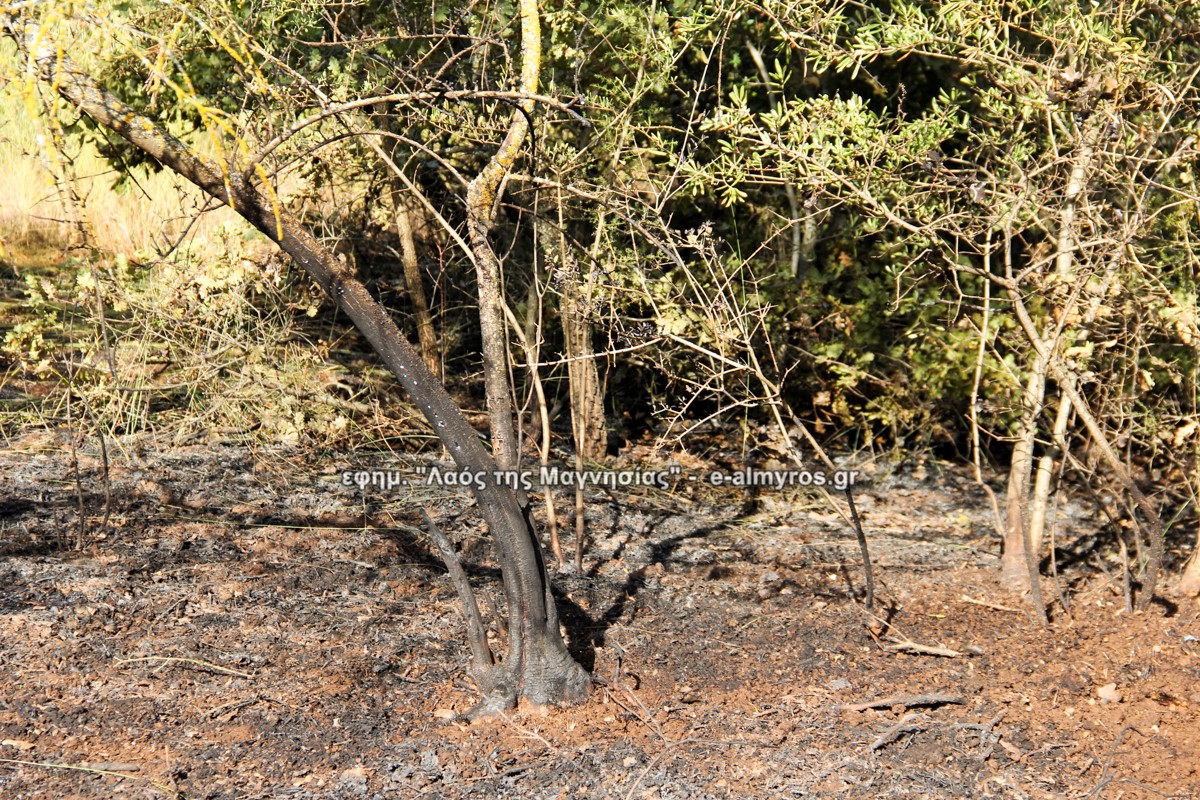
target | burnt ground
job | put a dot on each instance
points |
(243, 626)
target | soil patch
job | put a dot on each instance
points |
(243, 627)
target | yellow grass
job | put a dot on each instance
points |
(36, 207)
(226, 314)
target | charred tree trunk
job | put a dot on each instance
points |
(537, 665)
(541, 654)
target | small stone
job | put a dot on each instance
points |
(353, 780)
(1109, 693)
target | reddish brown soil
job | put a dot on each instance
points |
(236, 632)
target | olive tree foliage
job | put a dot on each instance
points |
(265, 88)
(1021, 177)
(965, 220)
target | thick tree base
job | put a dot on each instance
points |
(553, 677)
(550, 678)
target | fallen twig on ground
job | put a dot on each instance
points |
(909, 646)
(195, 662)
(908, 701)
(995, 606)
(112, 770)
(984, 729)
(907, 724)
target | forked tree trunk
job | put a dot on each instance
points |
(1019, 567)
(537, 665)
(1067, 381)
(482, 194)
(1026, 509)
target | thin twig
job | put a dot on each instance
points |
(909, 646)
(1108, 762)
(868, 572)
(181, 660)
(984, 728)
(528, 733)
(93, 770)
(908, 701)
(905, 725)
(986, 604)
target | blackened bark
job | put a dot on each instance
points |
(538, 665)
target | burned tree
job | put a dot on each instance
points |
(537, 665)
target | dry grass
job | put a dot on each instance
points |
(200, 294)
(152, 212)
(176, 317)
